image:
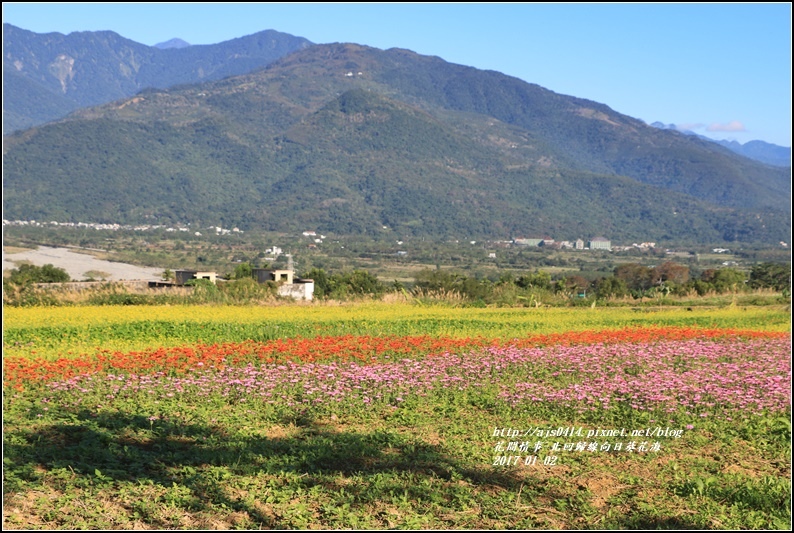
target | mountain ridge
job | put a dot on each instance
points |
(91, 68)
(769, 153)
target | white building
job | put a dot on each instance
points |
(288, 285)
(600, 243)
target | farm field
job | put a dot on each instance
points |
(396, 416)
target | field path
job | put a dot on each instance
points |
(77, 264)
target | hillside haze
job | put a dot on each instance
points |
(348, 139)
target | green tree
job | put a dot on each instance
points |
(537, 280)
(611, 287)
(771, 275)
(701, 287)
(363, 283)
(25, 274)
(670, 273)
(438, 280)
(638, 278)
(572, 284)
(19, 290)
(322, 284)
(243, 271)
(724, 279)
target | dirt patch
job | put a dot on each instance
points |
(602, 488)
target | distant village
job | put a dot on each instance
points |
(597, 243)
(120, 227)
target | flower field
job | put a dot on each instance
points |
(396, 417)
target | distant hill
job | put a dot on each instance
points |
(45, 76)
(768, 153)
(172, 43)
(347, 139)
(765, 152)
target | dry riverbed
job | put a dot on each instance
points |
(80, 266)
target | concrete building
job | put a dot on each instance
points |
(262, 275)
(289, 285)
(183, 276)
(528, 242)
(301, 289)
(600, 243)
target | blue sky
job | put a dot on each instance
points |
(722, 70)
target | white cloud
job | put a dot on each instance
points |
(732, 126)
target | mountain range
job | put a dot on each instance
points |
(46, 76)
(771, 154)
(350, 139)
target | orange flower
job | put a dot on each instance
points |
(19, 371)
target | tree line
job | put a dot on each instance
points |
(630, 280)
(627, 280)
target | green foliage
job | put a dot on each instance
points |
(25, 274)
(638, 278)
(671, 278)
(572, 284)
(243, 271)
(19, 287)
(724, 279)
(247, 289)
(204, 290)
(771, 275)
(120, 297)
(536, 280)
(345, 285)
(438, 280)
(661, 282)
(362, 283)
(322, 285)
(670, 273)
(526, 290)
(28, 296)
(610, 287)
